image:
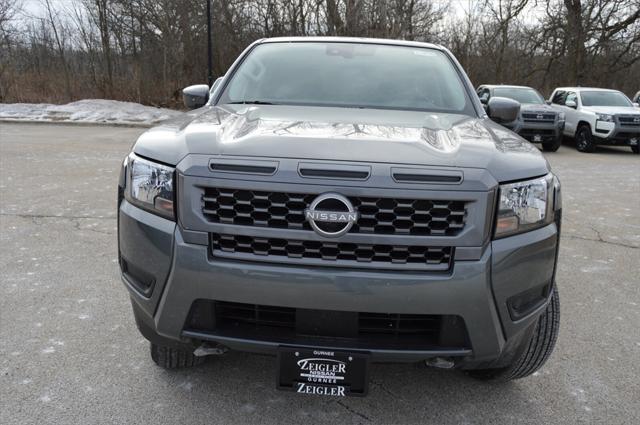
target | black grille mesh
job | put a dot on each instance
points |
(629, 120)
(377, 215)
(332, 251)
(368, 323)
(293, 326)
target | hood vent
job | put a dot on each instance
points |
(417, 175)
(334, 171)
(243, 166)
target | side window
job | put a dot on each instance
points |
(571, 96)
(559, 97)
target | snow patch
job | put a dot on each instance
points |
(88, 111)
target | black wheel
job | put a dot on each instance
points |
(173, 357)
(537, 351)
(552, 146)
(584, 139)
(635, 149)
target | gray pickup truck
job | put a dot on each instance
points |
(537, 122)
(315, 209)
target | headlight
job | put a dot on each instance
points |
(604, 117)
(150, 186)
(525, 206)
(561, 116)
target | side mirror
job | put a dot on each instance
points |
(195, 96)
(636, 104)
(547, 102)
(571, 104)
(502, 109)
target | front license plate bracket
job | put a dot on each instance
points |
(322, 371)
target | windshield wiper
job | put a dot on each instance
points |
(252, 102)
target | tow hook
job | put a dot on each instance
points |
(440, 362)
(206, 349)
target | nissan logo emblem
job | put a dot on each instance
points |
(331, 215)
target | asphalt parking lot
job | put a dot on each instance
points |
(70, 352)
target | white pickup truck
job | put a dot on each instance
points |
(598, 117)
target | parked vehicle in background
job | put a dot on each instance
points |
(636, 99)
(598, 117)
(537, 122)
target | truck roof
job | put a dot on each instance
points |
(360, 40)
(506, 86)
(584, 88)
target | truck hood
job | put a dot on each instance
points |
(536, 108)
(345, 134)
(612, 110)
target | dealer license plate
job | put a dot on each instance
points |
(322, 372)
(537, 138)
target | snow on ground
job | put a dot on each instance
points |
(87, 111)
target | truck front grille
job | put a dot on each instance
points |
(331, 253)
(321, 327)
(282, 210)
(629, 120)
(538, 118)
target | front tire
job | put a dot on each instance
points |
(552, 146)
(538, 349)
(584, 139)
(174, 357)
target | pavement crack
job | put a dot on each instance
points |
(61, 217)
(386, 390)
(74, 220)
(353, 411)
(601, 240)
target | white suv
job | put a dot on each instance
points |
(598, 117)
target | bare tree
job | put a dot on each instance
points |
(146, 50)
(59, 33)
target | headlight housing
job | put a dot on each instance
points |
(561, 116)
(604, 117)
(525, 206)
(149, 185)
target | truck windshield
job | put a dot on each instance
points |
(604, 98)
(522, 95)
(353, 75)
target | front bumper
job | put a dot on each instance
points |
(543, 132)
(615, 133)
(165, 275)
